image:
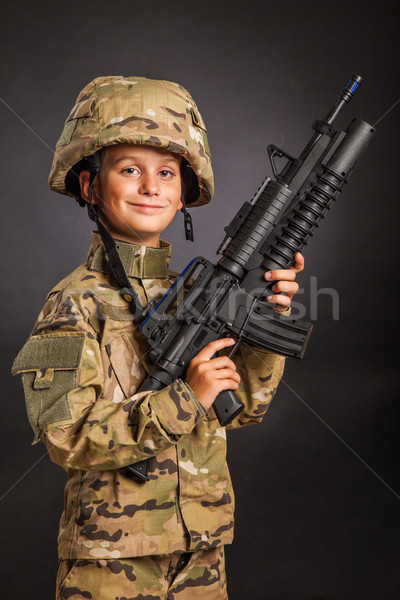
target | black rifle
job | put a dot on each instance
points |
(228, 298)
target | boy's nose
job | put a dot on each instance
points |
(149, 185)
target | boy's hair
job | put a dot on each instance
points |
(136, 110)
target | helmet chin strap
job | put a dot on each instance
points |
(188, 221)
(187, 185)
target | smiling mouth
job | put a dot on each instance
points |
(150, 205)
(146, 207)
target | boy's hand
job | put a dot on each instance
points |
(285, 282)
(207, 376)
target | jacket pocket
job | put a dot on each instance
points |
(48, 366)
(66, 572)
(128, 363)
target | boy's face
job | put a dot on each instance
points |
(138, 191)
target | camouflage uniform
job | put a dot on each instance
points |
(81, 367)
(187, 576)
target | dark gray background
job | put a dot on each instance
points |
(316, 484)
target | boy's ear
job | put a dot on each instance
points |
(84, 181)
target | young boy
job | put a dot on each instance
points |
(134, 151)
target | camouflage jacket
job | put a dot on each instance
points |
(81, 367)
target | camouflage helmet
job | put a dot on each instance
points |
(135, 110)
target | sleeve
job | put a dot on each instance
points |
(83, 428)
(260, 372)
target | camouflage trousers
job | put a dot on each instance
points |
(188, 576)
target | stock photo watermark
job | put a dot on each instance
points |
(299, 310)
(231, 303)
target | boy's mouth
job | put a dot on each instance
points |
(149, 208)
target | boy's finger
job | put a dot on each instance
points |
(280, 275)
(279, 300)
(222, 362)
(289, 287)
(227, 373)
(287, 274)
(299, 262)
(208, 351)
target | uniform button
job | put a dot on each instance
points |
(184, 559)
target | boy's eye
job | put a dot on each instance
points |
(166, 173)
(130, 170)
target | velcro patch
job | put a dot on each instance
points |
(67, 133)
(51, 351)
(48, 367)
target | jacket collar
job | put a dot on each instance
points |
(139, 261)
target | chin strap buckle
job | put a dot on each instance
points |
(188, 222)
